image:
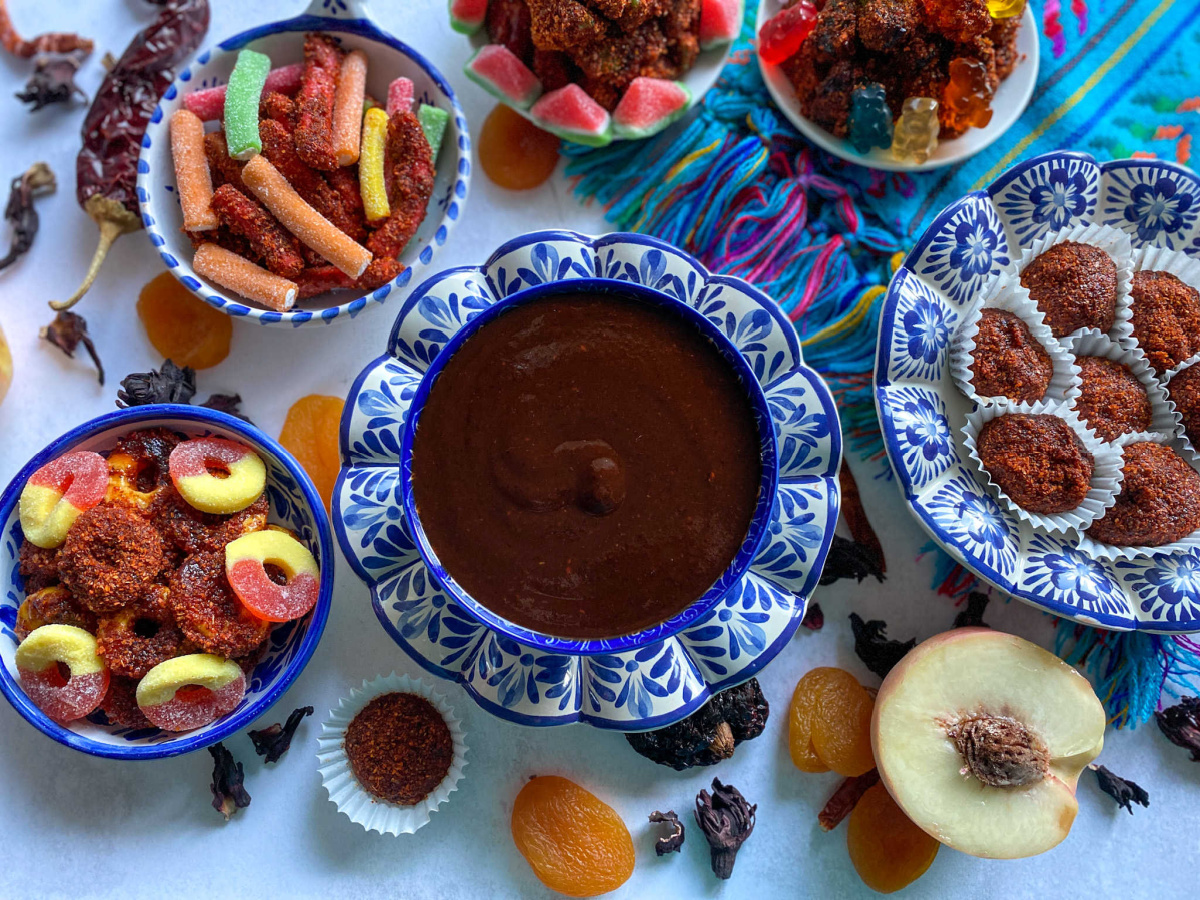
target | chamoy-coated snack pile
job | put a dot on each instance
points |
(1112, 401)
(894, 74)
(1075, 286)
(1008, 360)
(152, 580)
(399, 748)
(309, 187)
(1037, 460)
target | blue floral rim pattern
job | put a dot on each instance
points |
(448, 202)
(294, 504)
(1157, 204)
(638, 681)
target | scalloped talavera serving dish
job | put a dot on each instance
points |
(628, 683)
(921, 412)
(295, 505)
(388, 58)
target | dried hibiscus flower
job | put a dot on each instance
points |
(814, 617)
(67, 332)
(172, 384)
(274, 740)
(1125, 792)
(52, 81)
(228, 789)
(726, 820)
(873, 647)
(1181, 724)
(845, 798)
(20, 212)
(710, 734)
(972, 615)
(672, 842)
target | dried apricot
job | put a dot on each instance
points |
(887, 849)
(182, 327)
(575, 843)
(841, 725)
(514, 152)
(310, 433)
(804, 756)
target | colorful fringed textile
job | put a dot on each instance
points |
(739, 187)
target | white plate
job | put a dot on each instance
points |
(1009, 103)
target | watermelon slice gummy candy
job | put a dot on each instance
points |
(720, 22)
(498, 71)
(467, 16)
(649, 106)
(783, 33)
(433, 122)
(573, 115)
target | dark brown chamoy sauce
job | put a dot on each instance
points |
(586, 465)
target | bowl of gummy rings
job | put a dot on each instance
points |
(304, 169)
(167, 574)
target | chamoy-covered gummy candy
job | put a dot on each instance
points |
(967, 95)
(56, 494)
(1005, 9)
(400, 96)
(190, 691)
(242, 481)
(246, 83)
(917, 129)
(782, 34)
(40, 659)
(246, 561)
(433, 121)
(870, 118)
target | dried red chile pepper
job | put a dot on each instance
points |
(106, 168)
(845, 798)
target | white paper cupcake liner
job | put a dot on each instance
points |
(1094, 548)
(1164, 419)
(1190, 451)
(1005, 292)
(1112, 241)
(350, 797)
(1160, 259)
(1106, 472)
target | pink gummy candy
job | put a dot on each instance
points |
(271, 601)
(400, 96)
(209, 104)
(81, 477)
(64, 701)
(195, 707)
(195, 456)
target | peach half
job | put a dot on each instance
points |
(981, 736)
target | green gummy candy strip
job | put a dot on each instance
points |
(242, 97)
(433, 122)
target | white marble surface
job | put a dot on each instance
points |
(82, 827)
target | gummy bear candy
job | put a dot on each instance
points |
(870, 118)
(782, 35)
(1005, 9)
(917, 130)
(968, 95)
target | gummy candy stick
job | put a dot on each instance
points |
(279, 147)
(209, 104)
(433, 121)
(192, 178)
(240, 275)
(302, 220)
(370, 165)
(400, 95)
(348, 107)
(246, 84)
(277, 249)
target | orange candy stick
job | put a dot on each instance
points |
(192, 178)
(240, 275)
(348, 107)
(277, 195)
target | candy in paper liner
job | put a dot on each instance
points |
(1164, 419)
(1189, 450)
(1182, 266)
(1005, 292)
(1095, 549)
(350, 797)
(1106, 471)
(1112, 241)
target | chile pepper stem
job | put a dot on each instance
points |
(109, 232)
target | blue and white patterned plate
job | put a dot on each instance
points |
(640, 681)
(295, 505)
(921, 412)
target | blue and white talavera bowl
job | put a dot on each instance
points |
(295, 505)
(634, 682)
(921, 412)
(388, 58)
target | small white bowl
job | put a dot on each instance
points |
(1009, 103)
(388, 59)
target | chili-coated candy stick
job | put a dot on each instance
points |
(314, 102)
(242, 95)
(400, 96)
(192, 178)
(279, 107)
(240, 275)
(409, 188)
(222, 168)
(279, 148)
(345, 182)
(209, 103)
(302, 220)
(241, 215)
(379, 273)
(370, 165)
(225, 239)
(323, 279)
(348, 107)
